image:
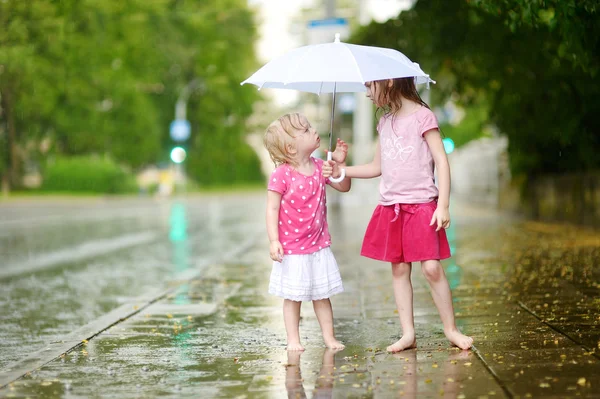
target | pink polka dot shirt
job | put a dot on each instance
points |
(302, 212)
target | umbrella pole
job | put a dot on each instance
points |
(329, 153)
(332, 116)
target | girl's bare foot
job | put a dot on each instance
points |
(333, 343)
(459, 339)
(407, 341)
(294, 346)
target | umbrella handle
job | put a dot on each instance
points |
(335, 179)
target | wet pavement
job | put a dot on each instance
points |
(64, 264)
(187, 314)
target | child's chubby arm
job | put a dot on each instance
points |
(332, 168)
(275, 247)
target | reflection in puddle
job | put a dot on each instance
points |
(422, 377)
(324, 384)
(410, 374)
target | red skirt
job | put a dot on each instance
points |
(406, 236)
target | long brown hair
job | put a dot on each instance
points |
(391, 95)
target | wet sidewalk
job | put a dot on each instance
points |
(527, 293)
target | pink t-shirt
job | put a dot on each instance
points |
(406, 161)
(303, 212)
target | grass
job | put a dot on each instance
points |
(226, 188)
(73, 195)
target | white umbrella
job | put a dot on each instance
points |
(336, 67)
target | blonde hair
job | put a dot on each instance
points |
(280, 136)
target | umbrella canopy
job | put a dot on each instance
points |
(335, 67)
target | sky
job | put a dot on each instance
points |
(276, 36)
(276, 15)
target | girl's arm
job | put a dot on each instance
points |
(273, 203)
(369, 170)
(436, 146)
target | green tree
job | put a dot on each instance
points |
(218, 111)
(102, 77)
(575, 23)
(28, 43)
(545, 104)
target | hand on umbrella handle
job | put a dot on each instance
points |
(335, 179)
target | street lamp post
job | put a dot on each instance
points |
(180, 130)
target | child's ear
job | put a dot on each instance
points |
(290, 149)
(390, 83)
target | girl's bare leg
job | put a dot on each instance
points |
(442, 296)
(403, 294)
(325, 316)
(291, 318)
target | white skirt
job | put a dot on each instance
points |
(307, 277)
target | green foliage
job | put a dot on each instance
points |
(470, 128)
(574, 23)
(90, 174)
(546, 105)
(102, 76)
(234, 162)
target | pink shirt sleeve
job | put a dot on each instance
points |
(277, 181)
(428, 121)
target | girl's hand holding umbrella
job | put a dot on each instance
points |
(331, 167)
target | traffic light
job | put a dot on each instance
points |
(448, 144)
(178, 154)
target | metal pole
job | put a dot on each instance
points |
(184, 94)
(332, 117)
(330, 13)
(362, 120)
(329, 8)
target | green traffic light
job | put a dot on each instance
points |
(178, 155)
(448, 144)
